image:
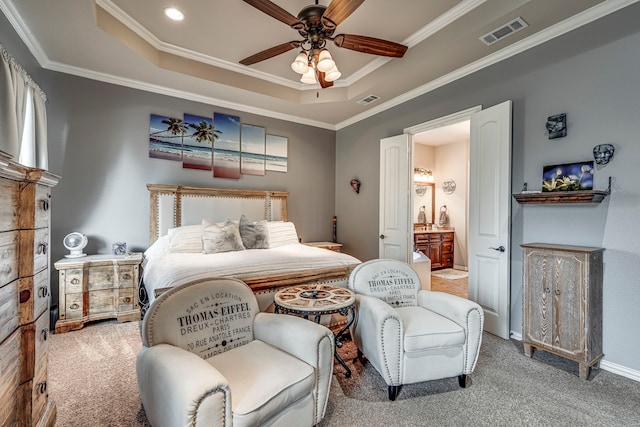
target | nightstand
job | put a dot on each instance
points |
(97, 287)
(336, 247)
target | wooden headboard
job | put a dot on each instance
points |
(175, 205)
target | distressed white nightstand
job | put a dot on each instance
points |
(336, 247)
(97, 287)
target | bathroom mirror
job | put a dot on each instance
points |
(425, 196)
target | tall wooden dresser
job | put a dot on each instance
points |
(25, 195)
(562, 302)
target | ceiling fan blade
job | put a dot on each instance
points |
(276, 12)
(370, 45)
(338, 11)
(270, 53)
(323, 83)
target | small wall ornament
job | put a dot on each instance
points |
(603, 153)
(355, 184)
(557, 126)
(449, 186)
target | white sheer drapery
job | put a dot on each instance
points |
(20, 95)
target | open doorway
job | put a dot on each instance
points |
(444, 152)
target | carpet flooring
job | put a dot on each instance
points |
(92, 380)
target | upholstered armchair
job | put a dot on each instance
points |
(210, 358)
(411, 335)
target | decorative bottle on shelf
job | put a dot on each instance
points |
(335, 229)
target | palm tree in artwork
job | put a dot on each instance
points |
(204, 131)
(175, 126)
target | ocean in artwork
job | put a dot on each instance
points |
(252, 146)
(276, 154)
(226, 148)
(276, 163)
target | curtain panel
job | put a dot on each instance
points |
(22, 103)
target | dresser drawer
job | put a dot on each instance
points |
(9, 194)
(447, 248)
(71, 279)
(34, 251)
(34, 296)
(33, 347)
(73, 306)
(447, 237)
(9, 379)
(126, 276)
(8, 257)
(34, 199)
(9, 314)
(33, 397)
(101, 302)
(101, 278)
(125, 300)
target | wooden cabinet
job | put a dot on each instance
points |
(437, 245)
(25, 197)
(97, 287)
(562, 302)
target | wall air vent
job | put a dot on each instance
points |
(504, 31)
(368, 99)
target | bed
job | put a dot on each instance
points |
(193, 236)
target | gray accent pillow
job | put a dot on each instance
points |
(221, 238)
(255, 235)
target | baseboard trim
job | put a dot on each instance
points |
(605, 365)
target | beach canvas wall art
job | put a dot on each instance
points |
(276, 153)
(252, 147)
(165, 137)
(568, 177)
(197, 143)
(226, 147)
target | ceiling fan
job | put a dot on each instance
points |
(316, 24)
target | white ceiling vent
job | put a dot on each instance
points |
(504, 31)
(368, 99)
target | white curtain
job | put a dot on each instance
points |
(23, 117)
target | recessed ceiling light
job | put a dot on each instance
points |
(174, 14)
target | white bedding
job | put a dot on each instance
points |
(168, 270)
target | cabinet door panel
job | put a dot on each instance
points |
(537, 302)
(101, 302)
(567, 277)
(101, 278)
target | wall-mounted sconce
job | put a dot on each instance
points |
(421, 177)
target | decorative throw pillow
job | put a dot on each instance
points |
(254, 234)
(186, 239)
(221, 238)
(281, 233)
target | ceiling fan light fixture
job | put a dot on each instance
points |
(325, 61)
(301, 64)
(332, 75)
(309, 77)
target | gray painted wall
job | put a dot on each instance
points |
(598, 89)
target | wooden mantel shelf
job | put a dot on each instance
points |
(580, 196)
(584, 196)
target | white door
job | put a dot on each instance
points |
(395, 186)
(489, 215)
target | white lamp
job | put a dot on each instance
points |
(309, 76)
(332, 75)
(301, 64)
(325, 61)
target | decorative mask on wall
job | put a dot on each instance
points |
(603, 153)
(355, 184)
(557, 126)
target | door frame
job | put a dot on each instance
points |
(447, 120)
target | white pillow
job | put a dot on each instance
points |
(225, 238)
(186, 239)
(255, 235)
(158, 248)
(281, 233)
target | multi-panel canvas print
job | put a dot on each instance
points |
(196, 148)
(276, 153)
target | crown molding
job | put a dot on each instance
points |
(163, 90)
(598, 11)
(22, 29)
